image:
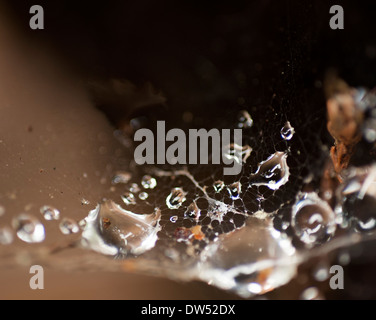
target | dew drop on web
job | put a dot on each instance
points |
(28, 228)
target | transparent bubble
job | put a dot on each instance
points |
(287, 132)
(128, 198)
(173, 219)
(28, 228)
(69, 226)
(6, 235)
(273, 172)
(148, 182)
(176, 198)
(50, 213)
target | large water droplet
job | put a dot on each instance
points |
(128, 198)
(244, 120)
(252, 260)
(50, 213)
(28, 228)
(176, 198)
(148, 182)
(287, 132)
(273, 172)
(6, 235)
(112, 230)
(69, 226)
(312, 219)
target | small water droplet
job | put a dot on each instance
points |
(148, 182)
(143, 195)
(235, 190)
(311, 293)
(85, 202)
(244, 120)
(173, 219)
(193, 211)
(6, 235)
(128, 198)
(134, 188)
(50, 213)
(287, 132)
(176, 198)
(28, 228)
(273, 172)
(69, 226)
(321, 272)
(218, 186)
(121, 177)
(313, 220)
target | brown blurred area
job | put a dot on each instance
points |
(57, 149)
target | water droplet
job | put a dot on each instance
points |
(312, 219)
(244, 120)
(193, 211)
(176, 198)
(357, 199)
(218, 186)
(273, 172)
(121, 177)
(148, 182)
(111, 230)
(143, 195)
(128, 198)
(235, 190)
(237, 153)
(311, 293)
(85, 201)
(50, 213)
(287, 132)
(69, 226)
(249, 260)
(28, 228)
(6, 235)
(321, 272)
(173, 219)
(134, 188)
